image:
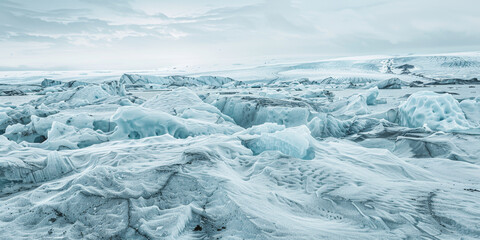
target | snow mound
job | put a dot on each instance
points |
(440, 112)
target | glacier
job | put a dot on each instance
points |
(376, 148)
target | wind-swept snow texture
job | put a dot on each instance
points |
(360, 154)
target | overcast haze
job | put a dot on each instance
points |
(124, 34)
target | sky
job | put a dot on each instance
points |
(154, 34)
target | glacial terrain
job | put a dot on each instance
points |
(355, 148)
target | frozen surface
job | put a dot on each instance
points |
(371, 148)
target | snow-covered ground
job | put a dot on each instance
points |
(357, 148)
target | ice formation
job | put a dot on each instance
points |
(354, 105)
(303, 151)
(371, 96)
(137, 122)
(294, 142)
(135, 79)
(50, 82)
(440, 112)
(471, 108)
(248, 111)
(392, 83)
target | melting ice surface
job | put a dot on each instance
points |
(346, 149)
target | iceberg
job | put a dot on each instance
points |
(62, 136)
(14, 92)
(74, 98)
(248, 111)
(292, 151)
(371, 96)
(319, 93)
(184, 103)
(294, 142)
(392, 83)
(135, 79)
(352, 106)
(49, 83)
(139, 122)
(36, 169)
(439, 112)
(471, 108)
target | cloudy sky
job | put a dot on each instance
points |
(151, 34)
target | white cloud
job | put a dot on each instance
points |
(151, 34)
